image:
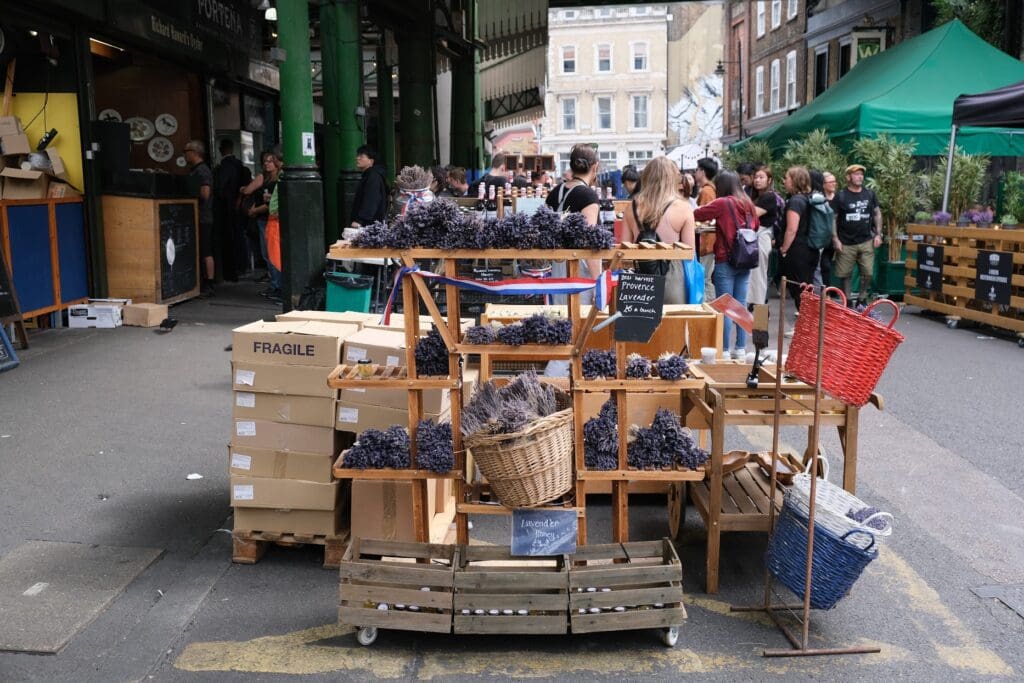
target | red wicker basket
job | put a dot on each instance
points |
(857, 347)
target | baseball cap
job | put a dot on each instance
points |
(853, 168)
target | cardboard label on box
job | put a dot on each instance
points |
(316, 522)
(144, 315)
(279, 436)
(293, 380)
(376, 346)
(262, 462)
(350, 317)
(282, 494)
(302, 410)
(291, 343)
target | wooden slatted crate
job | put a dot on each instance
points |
(639, 575)
(391, 573)
(489, 579)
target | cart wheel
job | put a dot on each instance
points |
(676, 508)
(366, 635)
(952, 323)
(1020, 342)
(670, 636)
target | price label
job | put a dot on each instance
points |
(544, 532)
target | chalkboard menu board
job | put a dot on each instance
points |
(544, 532)
(177, 249)
(929, 267)
(639, 299)
(9, 309)
(992, 283)
(8, 359)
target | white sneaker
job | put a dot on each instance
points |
(739, 354)
(789, 333)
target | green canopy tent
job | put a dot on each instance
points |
(907, 92)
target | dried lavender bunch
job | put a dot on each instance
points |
(598, 363)
(578, 234)
(672, 367)
(432, 222)
(402, 234)
(513, 417)
(379, 449)
(601, 439)
(431, 354)
(637, 367)
(463, 233)
(514, 231)
(481, 409)
(692, 456)
(513, 335)
(414, 178)
(864, 513)
(373, 236)
(539, 396)
(434, 450)
(486, 236)
(544, 328)
(479, 334)
(645, 449)
(547, 225)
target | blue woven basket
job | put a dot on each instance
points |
(836, 564)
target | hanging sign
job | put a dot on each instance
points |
(992, 283)
(929, 267)
(639, 299)
(544, 532)
(308, 147)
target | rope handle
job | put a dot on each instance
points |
(879, 532)
(895, 310)
(824, 467)
(858, 531)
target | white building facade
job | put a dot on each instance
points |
(607, 84)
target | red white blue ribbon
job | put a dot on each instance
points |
(414, 196)
(602, 286)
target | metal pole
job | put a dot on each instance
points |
(466, 115)
(415, 82)
(949, 168)
(385, 111)
(739, 58)
(301, 193)
(343, 98)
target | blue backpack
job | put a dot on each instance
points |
(822, 222)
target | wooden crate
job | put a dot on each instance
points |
(394, 573)
(489, 578)
(640, 575)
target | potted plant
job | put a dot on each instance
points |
(965, 183)
(941, 218)
(816, 150)
(982, 217)
(922, 217)
(1009, 221)
(964, 219)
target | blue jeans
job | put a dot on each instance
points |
(729, 280)
(273, 273)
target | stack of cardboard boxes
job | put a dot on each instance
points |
(17, 182)
(283, 443)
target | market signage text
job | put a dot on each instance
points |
(168, 30)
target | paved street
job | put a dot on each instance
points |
(100, 428)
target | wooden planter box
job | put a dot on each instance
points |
(489, 578)
(640, 575)
(394, 573)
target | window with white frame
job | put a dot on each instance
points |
(563, 162)
(568, 59)
(639, 158)
(569, 14)
(760, 18)
(603, 53)
(639, 11)
(568, 113)
(759, 91)
(604, 12)
(603, 109)
(776, 14)
(609, 160)
(794, 8)
(774, 96)
(790, 79)
(639, 57)
(639, 111)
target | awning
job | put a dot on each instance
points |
(1002, 107)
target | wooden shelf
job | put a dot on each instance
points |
(641, 475)
(661, 251)
(385, 377)
(388, 473)
(546, 351)
(744, 500)
(638, 386)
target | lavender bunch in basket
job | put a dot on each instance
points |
(431, 354)
(434, 450)
(598, 363)
(540, 397)
(513, 417)
(379, 449)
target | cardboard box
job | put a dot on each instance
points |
(291, 343)
(19, 184)
(283, 494)
(102, 316)
(357, 417)
(279, 436)
(16, 143)
(293, 380)
(302, 410)
(434, 400)
(350, 317)
(144, 315)
(263, 462)
(315, 522)
(58, 189)
(383, 347)
(56, 163)
(382, 509)
(426, 324)
(10, 125)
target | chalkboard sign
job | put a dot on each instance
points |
(992, 283)
(544, 532)
(639, 300)
(8, 359)
(929, 267)
(178, 246)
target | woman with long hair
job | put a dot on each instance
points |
(731, 211)
(659, 214)
(770, 208)
(576, 195)
(261, 189)
(798, 259)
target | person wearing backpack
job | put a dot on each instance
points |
(797, 258)
(823, 228)
(771, 208)
(576, 195)
(736, 252)
(858, 232)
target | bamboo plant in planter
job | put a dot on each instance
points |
(965, 183)
(891, 176)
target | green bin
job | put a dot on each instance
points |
(348, 292)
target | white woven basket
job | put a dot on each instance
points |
(833, 502)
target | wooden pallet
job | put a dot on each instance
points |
(248, 547)
(643, 580)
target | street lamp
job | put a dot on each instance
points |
(720, 71)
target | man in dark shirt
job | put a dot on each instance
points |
(201, 181)
(858, 231)
(228, 179)
(497, 176)
(370, 202)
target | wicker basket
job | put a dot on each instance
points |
(857, 347)
(831, 505)
(531, 467)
